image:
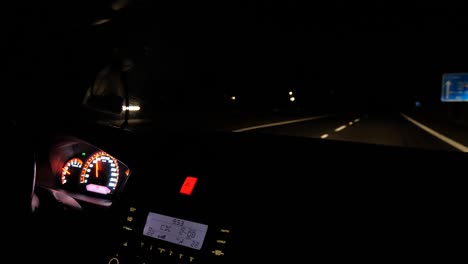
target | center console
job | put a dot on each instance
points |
(177, 227)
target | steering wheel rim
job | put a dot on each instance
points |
(19, 170)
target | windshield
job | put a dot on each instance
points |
(379, 73)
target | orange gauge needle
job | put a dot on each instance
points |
(66, 172)
(97, 168)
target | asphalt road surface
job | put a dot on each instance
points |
(395, 129)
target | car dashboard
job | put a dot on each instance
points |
(159, 211)
(224, 198)
(84, 172)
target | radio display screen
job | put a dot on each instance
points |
(175, 230)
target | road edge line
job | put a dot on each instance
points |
(436, 134)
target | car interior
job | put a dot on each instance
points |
(81, 191)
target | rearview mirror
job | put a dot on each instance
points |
(107, 103)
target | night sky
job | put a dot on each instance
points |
(380, 52)
(334, 53)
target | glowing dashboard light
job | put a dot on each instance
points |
(324, 136)
(233, 98)
(70, 169)
(131, 108)
(97, 189)
(290, 93)
(188, 185)
(292, 99)
(350, 123)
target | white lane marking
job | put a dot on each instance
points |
(436, 134)
(279, 123)
(357, 120)
(324, 136)
(340, 128)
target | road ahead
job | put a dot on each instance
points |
(385, 129)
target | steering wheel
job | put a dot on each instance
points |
(19, 171)
(26, 233)
(17, 182)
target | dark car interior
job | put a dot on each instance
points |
(79, 191)
(260, 197)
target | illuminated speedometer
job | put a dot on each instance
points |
(70, 171)
(100, 173)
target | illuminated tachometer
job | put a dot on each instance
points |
(70, 171)
(100, 173)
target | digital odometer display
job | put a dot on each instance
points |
(175, 230)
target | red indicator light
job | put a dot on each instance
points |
(188, 185)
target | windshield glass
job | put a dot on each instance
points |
(380, 73)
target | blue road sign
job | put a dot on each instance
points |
(455, 87)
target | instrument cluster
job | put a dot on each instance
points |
(81, 168)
